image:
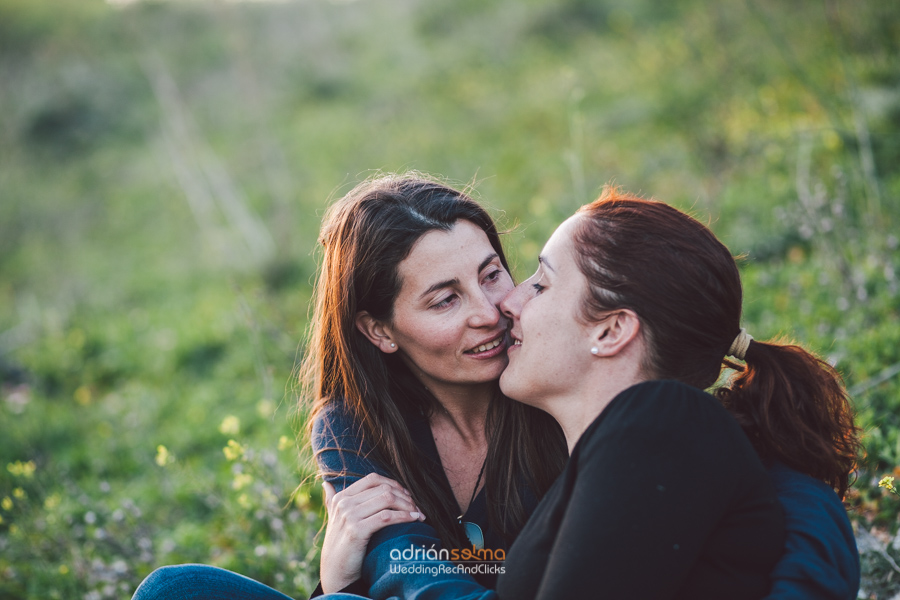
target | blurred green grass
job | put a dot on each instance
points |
(164, 167)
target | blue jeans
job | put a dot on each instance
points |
(203, 582)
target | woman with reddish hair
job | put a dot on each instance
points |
(632, 313)
(669, 491)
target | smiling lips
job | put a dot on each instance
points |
(487, 347)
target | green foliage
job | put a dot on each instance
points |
(166, 165)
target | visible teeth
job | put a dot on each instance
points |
(517, 342)
(488, 346)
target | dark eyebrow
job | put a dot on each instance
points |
(486, 261)
(438, 286)
(455, 281)
(543, 261)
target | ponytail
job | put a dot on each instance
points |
(794, 408)
(686, 288)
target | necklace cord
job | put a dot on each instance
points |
(474, 491)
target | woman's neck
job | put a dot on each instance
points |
(458, 427)
(577, 411)
(464, 412)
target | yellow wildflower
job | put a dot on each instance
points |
(19, 493)
(241, 480)
(244, 501)
(83, 395)
(20, 469)
(887, 482)
(52, 501)
(63, 570)
(302, 499)
(233, 450)
(284, 442)
(269, 497)
(163, 456)
(832, 140)
(230, 425)
(6, 503)
(265, 408)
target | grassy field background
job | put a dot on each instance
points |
(164, 167)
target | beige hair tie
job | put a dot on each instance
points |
(740, 344)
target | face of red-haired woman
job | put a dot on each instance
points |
(551, 347)
(445, 322)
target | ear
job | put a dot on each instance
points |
(377, 332)
(615, 333)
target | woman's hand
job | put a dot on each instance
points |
(354, 515)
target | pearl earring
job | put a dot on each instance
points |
(393, 345)
(595, 350)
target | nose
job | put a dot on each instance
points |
(485, 312)
(511, 305)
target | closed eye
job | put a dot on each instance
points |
(538, 287)
(445, 302)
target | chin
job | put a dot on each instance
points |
(496, 371)
(509, 387)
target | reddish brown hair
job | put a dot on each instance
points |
(365, 236)
(685, 287)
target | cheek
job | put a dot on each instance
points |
(497, 293)
(439, 342)
(532, 315)
(426, 336)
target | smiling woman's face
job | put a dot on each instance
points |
(445, 322)
(552, 345)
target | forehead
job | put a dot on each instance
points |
(559, 249)
(442, 255)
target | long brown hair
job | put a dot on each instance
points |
(365, 236)
(685, 287)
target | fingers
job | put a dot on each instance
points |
(329, 493)
(367, 503)
(370, 496)
(383, 518)
(367, 488)
(372, 480)
(372, 501)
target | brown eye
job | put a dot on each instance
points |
(493, 275)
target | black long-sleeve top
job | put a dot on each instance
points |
(663, 497)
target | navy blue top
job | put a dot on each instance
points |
(344, 457)
(820, 561)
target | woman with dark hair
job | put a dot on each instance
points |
(405, 353)
(633, 312)
(406, 350)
